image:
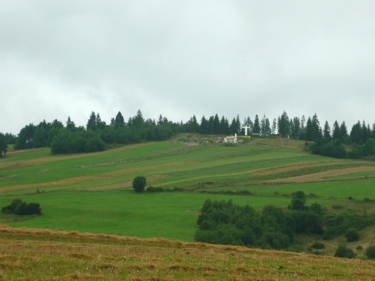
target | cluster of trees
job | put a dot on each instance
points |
(95, 136)
(360, 141)
(18, 207)
(222, 222)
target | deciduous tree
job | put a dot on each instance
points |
(139, 184)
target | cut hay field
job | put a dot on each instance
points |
(36, 254)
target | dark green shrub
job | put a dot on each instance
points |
(22, 208)
(344, 252)
(359, 247)
(139, 184)
(318, 245)
(352, 235)
(152, 189)
(370, 252)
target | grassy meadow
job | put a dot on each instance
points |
(92, 193)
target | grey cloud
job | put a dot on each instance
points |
(179, 58)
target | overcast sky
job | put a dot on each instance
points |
(185, 58)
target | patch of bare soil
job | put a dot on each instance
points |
(320, 176)
(15, 166)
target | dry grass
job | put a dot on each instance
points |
(322, 175)
(297, 145)
(36, 254)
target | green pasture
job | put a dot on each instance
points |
(164, 215)
(178, 161)
(87, 192)
(357, 189)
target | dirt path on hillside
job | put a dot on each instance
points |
(322, 175)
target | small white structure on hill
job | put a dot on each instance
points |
(231, 139)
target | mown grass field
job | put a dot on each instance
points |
(92, 193)
(34, 254)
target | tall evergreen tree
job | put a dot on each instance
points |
(138, 120)
(316, 130)
(99, 123)
(119, 120)
(327, 131)
(216, 125)
(91, 123)
(366, 133)
(70, 124)
(284, 125)
(356, 133)
(336, 131)
(343, 133)
(204, 126)
(295, 128)
(211, 125)
(224, 126)
(309, 130)
(256, 127)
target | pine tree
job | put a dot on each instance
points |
(256, 127)
(91, 123)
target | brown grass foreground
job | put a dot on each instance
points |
(37, 254)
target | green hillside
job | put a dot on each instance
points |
(93, 193)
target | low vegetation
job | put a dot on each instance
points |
(275, 228)
(18, 207)
(37, 254)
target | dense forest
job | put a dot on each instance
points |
(97, 135)
(222, 222)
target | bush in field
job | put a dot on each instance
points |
(298, 200)
(370, 252)
(139, 184)
(352, 235)
(344, 252)
(22, 208)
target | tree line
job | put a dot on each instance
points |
(97, 134)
